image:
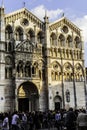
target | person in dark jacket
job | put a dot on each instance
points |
(70, 120)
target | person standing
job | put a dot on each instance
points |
(24, 121)
(70, 120)
(5, 124)
(58, 120)
(15, 121)
(82, 120)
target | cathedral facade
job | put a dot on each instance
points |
(41, 63)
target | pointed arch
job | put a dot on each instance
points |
(31, 35)
(53, 39)
(79, 72)
(8, 67)
(19, 33)
(69, 40)
(61, 40)
(28, 95)
(40, 37)
(68, 71)
(35, 70)
(56, 72)
(8, 32)
(77, 41)
(27, 69)
(20, 68)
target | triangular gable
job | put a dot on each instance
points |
(66, 22)
(25, 45)
(21, 13)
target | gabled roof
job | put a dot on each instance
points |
(65, 21)
(20, 11)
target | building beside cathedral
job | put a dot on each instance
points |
(41, 63)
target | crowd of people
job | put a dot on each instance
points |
(36, 120)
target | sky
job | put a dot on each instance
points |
(74, 10)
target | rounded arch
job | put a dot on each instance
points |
(20, 67)
(68, 72)
(35, 69)
(28, 96)
(9, 28)
(55, 64)
(69, 40)
(27, 89)
(27, 69)
(31, 35)
(19, 33)
(53, 35)
(8, 32)
(57, 97)
(79, 72)
(19, 29)
(24, 21)
(53, 39)
(40, 37)
(77, 41)
(56, 72)
(61, 37)
(61, 40)
(8, 67)
(57, 102)
(67, 65)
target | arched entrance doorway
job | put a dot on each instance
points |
(57, 102)
(28, 97)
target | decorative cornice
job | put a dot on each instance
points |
(22, 13)
(66, 21)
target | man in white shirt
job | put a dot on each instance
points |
(15, 120)
(5, 124)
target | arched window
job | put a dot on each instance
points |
(20, 69)
(68, 71)
(31, 36)
(53, 39)
(35, 69)
(62, 40)
(40, 37)
(69, 41)
(8, 72)
(8, 32)
(19, 34)
(79, 73)
(56, 71)
(28, 69)
(77, 42)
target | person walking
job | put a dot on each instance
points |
(70, 120)
(5, 124)
(82, 120)
(24, 121)
(58, 120)
(15, 121)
